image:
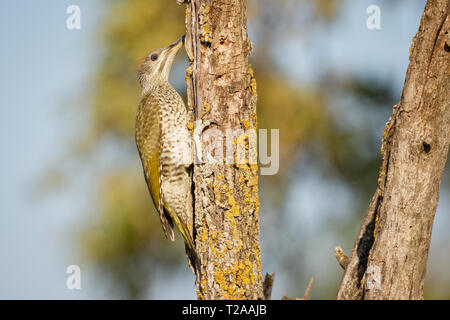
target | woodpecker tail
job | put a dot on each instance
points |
(191, 253)
(194, 261)
(193, 257)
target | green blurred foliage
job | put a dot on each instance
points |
(125, 234)
(124, 239)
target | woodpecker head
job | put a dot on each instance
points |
(156, 66)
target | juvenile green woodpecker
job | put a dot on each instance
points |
(164, 144)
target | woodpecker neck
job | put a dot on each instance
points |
(152, 85)
(155, 87)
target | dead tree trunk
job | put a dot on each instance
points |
(222, 93)
(390, 254)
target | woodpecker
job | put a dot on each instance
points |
(164, 144)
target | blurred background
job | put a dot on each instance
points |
(72, 190)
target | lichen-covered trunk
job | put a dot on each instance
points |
(222, 94)
(390, 254)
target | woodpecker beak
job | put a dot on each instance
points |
(174, 47)
(170, 52)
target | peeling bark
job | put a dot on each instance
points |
(390, 254)
(222, 92)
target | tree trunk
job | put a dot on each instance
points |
(222, 93)
(390, 254)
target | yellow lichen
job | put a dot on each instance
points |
(252, 82)
(213, 234)
(205, 110)
(205, 32)
(250, 70)
(375, 228)
(253, 85)
(411, 48)
(188, 74)
(190, 126)
(241, 273)
(234, 278)
(246, 124)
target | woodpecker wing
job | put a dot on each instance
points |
(148, 137)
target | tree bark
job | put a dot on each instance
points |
(222, 93)
(390, 254)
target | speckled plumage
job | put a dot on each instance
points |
(164, 144)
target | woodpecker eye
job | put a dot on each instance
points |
(154, 57)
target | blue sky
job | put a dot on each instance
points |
(44, 66)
